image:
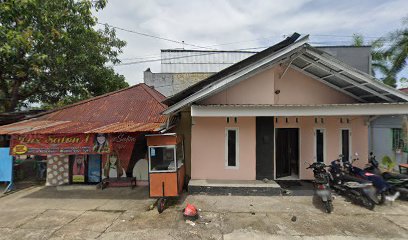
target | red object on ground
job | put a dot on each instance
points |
(190, 210)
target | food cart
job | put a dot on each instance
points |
(166, 167)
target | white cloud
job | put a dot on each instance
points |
(212, 22)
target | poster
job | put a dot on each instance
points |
(94, 168)
(78, 169)
(58, 144)
(127, 157)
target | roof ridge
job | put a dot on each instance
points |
(81, 102)
(152, 92)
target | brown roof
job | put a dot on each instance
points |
(134, 109)
(405, 90)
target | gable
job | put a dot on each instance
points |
(294, 88)
(300, 56)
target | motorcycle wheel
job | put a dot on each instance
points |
(160, 205)
(381, 198)
(368, 203)
(329, 206)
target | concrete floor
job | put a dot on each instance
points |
(46, 213)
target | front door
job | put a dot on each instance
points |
(85, 168)
(287, 152)
(264, 147)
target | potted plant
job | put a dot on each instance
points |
(388, 163)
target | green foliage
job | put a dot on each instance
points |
(358, 40)
(51, 53)
(388, 60)
(398, 51)
(404, 82)
(388, 163)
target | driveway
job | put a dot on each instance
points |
(121, 213)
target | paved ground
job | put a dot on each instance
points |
(45, 213)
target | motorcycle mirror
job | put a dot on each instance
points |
(371, 153)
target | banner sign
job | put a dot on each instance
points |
(128, 156)
(58, 144)
(6, 165)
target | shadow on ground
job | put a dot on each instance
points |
(296, 188)
(137, 193)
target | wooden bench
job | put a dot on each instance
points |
(405, 166)
(118, 182)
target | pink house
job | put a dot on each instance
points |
(265, 116)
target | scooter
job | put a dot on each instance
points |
(383, 189)
(321, 184)
(398, 182)
(355, 188)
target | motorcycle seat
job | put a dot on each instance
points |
(348, 178)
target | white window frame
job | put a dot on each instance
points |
(236, 150)
(324, 144)
(350, 142)
(175, 159)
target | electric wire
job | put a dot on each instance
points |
(151, 58)
(180, 57)
(153, 36)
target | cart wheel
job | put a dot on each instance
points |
(160, 205)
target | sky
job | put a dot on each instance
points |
(241, 24)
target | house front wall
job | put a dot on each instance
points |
(332, 127)
(208, 144)
(208, 148)
(268, 87)
(272, 86)
(381, 138)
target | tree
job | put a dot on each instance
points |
(381, 63)
(358, 40)
(50, 52)
(398, 51)
(403, 82)
(381, 66)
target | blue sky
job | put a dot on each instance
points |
(242, 24)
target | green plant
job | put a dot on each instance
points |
(388, 163)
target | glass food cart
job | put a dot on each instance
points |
(166, 167)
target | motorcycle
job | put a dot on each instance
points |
(398, 182)
(383, 188)
(357, 189)
(321, 184)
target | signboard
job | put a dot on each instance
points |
(78, 169)
(127, 150)
(57, 144)
(6, 165)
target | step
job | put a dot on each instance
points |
(234, 187)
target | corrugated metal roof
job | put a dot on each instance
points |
(311, 61)
(134, 109)
(349, 80)
(405, 90)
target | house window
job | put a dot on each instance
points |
(162, 158)
(319, 145)
(397, 139)
(231, 147)
(345, 144)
